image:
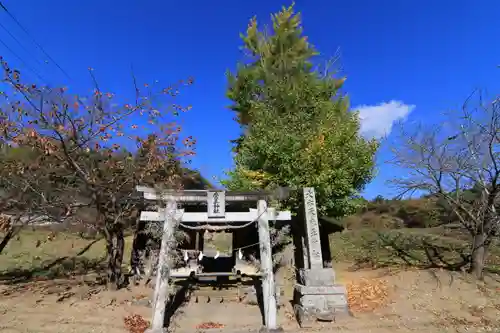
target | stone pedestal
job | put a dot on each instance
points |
(316, 277)
(318, 298)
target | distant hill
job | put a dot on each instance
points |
(392, 213)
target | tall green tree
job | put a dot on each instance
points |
(297, 128)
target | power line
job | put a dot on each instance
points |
(21, 60)
(33, 39)
(17, 41)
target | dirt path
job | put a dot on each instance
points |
(414, 301)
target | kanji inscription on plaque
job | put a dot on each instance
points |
(216, 202)
(312, 227)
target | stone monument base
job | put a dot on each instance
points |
(318, 298)
(317, 277)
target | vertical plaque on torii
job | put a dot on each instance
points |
(216, 203)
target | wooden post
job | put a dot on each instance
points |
(162, 275)
(266, 262)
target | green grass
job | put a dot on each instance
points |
(64, 255)
(53, 258)
(420, 247)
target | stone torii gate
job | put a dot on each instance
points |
(316, 296)
(216, 202)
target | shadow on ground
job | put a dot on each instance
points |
(59, 268)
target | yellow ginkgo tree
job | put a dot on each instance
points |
(297, 126)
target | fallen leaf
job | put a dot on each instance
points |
(367, 295)
(209, 324)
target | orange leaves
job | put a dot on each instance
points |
(51, 236)
(321, 140)
(106, 137)
(317, 144)
(189, 141)
(136, 324)
(49, 151)
(367, 295)
(5, 223)
(187, 153)
(209, 325)
(172, 131)
(88, 136)
(167, 91)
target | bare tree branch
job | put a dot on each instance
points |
(458, 162)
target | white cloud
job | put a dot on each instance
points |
(377, 120)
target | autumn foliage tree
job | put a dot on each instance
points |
(87, 145)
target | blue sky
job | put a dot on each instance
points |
(402, 58)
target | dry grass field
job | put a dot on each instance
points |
(47, 286)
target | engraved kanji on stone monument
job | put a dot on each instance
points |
(312, 228)
(216, 202)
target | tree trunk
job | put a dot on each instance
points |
(109, 234)
(118, 257)
(478, 255)
(8, 236)
(115, 244)
(138, 249)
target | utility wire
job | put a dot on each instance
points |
(2, 6)
(22, 60)
(17, 41)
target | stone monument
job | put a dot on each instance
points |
(316, 296)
